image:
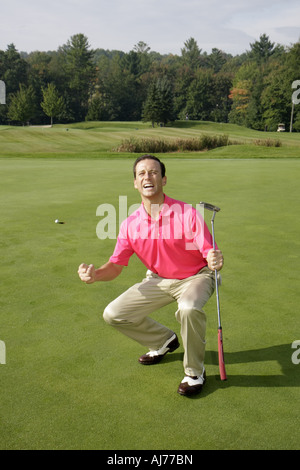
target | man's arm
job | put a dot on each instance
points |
(107, 272)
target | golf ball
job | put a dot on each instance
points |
(57, 221)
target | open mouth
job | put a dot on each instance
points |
(148, 186)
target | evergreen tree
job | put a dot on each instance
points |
(200, 94)
(159, 105)
(216, 60)
(152, 105)
(166, 103)
(191, 54)
(80, 72)
(276, 99)
(263, 49)
(252, 89)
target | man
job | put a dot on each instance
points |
(174, 243)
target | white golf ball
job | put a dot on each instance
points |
(57, 221)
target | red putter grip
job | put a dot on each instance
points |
(221, 355)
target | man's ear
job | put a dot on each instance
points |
(164, 181)
(134, 183)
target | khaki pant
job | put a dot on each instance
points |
(129, 314)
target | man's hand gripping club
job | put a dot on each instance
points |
(215, 260)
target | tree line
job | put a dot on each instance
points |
(76, 83)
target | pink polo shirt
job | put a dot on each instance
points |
(175, 246)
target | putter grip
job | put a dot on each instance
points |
(221, 355)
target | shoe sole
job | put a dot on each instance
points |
(173, 348)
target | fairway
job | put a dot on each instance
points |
(71, 382)
(101, 139)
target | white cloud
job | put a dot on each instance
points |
(279, 20)
(163, 24)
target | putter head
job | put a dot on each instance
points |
(210, 207)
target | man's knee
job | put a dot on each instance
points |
(109, 315)
(115, 317)
(189, 309)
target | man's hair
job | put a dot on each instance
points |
(149, 157)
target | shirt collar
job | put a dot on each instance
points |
(165, 209)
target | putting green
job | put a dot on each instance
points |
(72, 382)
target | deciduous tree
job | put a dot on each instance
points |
(52, 104)
(22, 105)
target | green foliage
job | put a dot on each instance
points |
(99, 108)
(52, 104)
(263, 49)
(21, 107)
(252, 89)
(191, 54)
(80, 72)
(159, 105)
(13, 69)
(151, 106)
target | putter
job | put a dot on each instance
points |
(223, 376)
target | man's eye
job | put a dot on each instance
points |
(150, 173)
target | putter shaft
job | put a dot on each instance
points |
(216, 272)
(223, 376)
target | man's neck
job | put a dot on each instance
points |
(153, 205)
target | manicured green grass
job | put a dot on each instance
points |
(99, 139)
(71, 381)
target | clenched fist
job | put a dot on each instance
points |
(86, 273)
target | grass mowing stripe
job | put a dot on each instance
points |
(98, 139)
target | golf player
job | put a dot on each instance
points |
(175, 245)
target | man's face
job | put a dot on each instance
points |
(148, 180)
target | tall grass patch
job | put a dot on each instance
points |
(147, 145)
(268, 142)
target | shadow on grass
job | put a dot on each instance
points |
(281, 354)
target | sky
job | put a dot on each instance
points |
(164, 25)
